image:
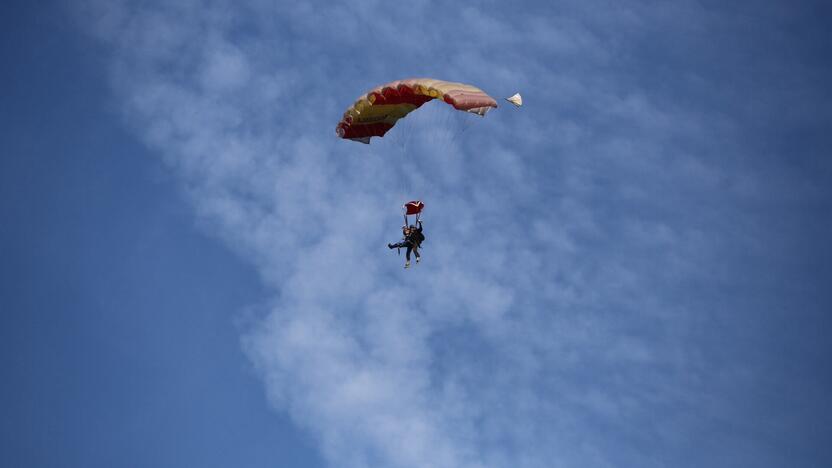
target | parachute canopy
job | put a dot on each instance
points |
(378, 110)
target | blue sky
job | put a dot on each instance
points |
(631, 270)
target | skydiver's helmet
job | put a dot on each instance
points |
(412, 227)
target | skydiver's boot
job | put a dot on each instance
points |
(418, 259)
(391, 246)
(407, 264)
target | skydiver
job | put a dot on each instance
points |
(412, 239)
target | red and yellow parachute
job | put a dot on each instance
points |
(378, 110)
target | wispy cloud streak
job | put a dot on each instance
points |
(563, 314)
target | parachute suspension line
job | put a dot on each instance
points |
(387, 105)
(404, 163)
(467, 123)
(400, 138)
(441, 128)
(408, 136)
(407, 186)
(407, 222)
(449, 124)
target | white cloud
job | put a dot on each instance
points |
(522, 323)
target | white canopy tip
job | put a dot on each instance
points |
(517, 100)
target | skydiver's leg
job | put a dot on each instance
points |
(407, 254)
(397, 246)
(416, 252)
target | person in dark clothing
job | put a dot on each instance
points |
(412, 240)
